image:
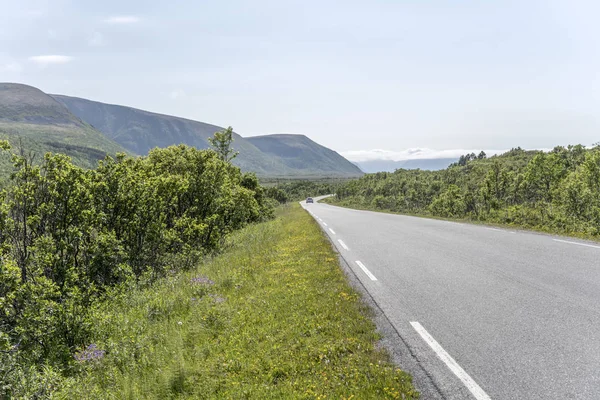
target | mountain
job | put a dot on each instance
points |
(300, 153)
(36, 121)
(88, 130)
(139, 131)
(433, 164)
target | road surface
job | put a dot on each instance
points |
(486, 313)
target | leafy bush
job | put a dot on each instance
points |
(67, 235)
(557, 191)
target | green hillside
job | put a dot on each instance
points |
(301, 153)
(269, 156)
(34, 121)
(140, 131)
(88, 130)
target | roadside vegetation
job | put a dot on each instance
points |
(169, 276)
(556, 191)
(273, 317)
(69, 237)
(295, 190)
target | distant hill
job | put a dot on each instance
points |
(88, 130)
(139, 131)
(301, 153)
(26, 104)
(39, 123)
(433, 164)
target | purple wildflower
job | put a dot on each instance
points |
(217, 298)
(202, 280)
(90, 353)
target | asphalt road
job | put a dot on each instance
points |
(485, 313)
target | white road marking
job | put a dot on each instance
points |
(499, 230)
(578, 244)
(332, 231)
(343, 244)
(324, 223)
(473, 387)
(366, 271)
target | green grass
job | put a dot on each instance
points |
(280, 321)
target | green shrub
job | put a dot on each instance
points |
(69, 235)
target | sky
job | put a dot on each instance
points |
(371, 79)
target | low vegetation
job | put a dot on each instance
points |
(166, 276)
(271, 318)
(69, 237)
(556, 191)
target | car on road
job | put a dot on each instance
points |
(309, 200)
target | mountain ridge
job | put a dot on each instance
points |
(140, 131)
(301, 152)
(34, 121)
(88, 130)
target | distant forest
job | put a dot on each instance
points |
(557, 191)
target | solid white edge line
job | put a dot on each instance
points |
(332, 231)
(499, 230)
(366, 271)
(578, 244)
(343, 244)
(473, 387)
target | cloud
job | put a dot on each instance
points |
(96, 40)
(50, 59)
(411, 154)
(122, 19)
(177, 94)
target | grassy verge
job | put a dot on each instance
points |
(272, 318)
(499, 224)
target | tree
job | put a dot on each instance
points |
(449, 204)
(542, 174)
(495, 185)
(221, 143)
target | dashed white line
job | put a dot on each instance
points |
(324, 223)
(332, 231)
(343, 244)
(473, 387)
(366, 271)
(578, 244)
